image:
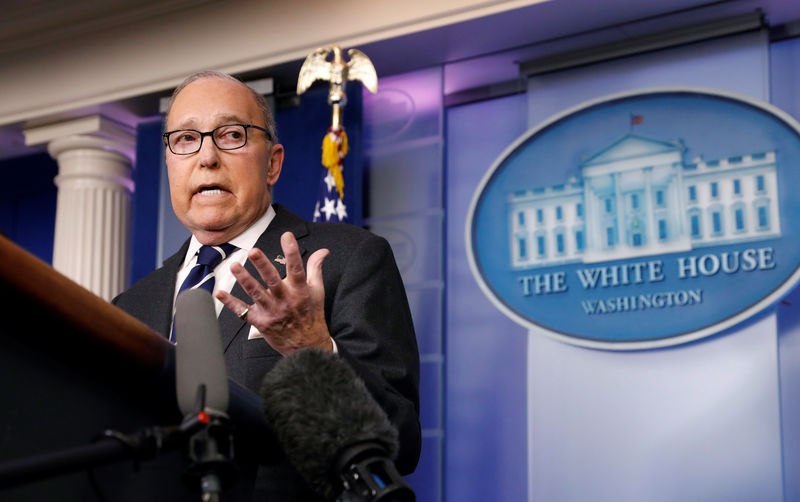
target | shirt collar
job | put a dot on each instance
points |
(245, 240)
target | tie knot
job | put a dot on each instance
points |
(211, 256)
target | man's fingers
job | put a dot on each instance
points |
(295, 272)
(267, 271)
(251, 286)
(232, 303)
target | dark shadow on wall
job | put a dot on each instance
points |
(28, 203)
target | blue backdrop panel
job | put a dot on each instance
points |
(784, 85)
(693, 422)
(486, 448)
(735, 64)
(404, 200)
(171, 232)
(145, 200)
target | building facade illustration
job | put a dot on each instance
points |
(638, 197)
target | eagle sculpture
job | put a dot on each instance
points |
(337, 72)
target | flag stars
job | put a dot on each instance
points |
(329, 208)
(341, 210)
(329, 181)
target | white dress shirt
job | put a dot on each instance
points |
(223, 278)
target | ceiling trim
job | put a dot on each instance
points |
(154, 55)
(671, 38)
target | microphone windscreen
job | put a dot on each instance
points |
(198, 352)
(317, 406)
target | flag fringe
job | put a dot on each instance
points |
(334, 149)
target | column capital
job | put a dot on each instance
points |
(95, 155)
(91, 131)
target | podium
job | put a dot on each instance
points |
(72, 366)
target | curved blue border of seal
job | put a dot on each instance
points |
(661, 303)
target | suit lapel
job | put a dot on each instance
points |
(162, 310)
(270, 243)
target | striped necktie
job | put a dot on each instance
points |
(202, 274)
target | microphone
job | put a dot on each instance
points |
(331, 429)
(202, 391)
(198, 353)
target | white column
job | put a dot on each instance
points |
(591, 218)
(92, 231)
(650, 207)
(622, 229)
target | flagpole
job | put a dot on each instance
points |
(334, 144)
(336, 118)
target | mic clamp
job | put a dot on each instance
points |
(209, 449)
(366, 472)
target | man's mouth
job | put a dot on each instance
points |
(211, 190)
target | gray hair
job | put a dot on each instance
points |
(261, 102)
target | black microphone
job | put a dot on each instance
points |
(202, 391)
(331, 429)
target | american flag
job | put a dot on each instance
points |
(329, 205)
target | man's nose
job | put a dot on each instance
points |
(209, 153)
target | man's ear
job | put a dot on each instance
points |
(275, 164)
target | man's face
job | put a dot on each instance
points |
(216, 193)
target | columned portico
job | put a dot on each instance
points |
(92, 230)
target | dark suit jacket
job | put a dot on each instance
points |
(365, 307)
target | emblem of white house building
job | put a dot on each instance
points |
(642, 219)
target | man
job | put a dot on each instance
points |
(222, 159)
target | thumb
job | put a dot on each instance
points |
(314, 275)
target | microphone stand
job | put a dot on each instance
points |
(112, 446)
(210, 442)
(210, 450)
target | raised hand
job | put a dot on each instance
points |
(290, 312)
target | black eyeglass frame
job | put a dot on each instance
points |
(166, 135)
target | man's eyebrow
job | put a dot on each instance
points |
(191, 123)
(229, 119)
(185, 124)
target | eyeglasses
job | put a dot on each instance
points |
(225, 137)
